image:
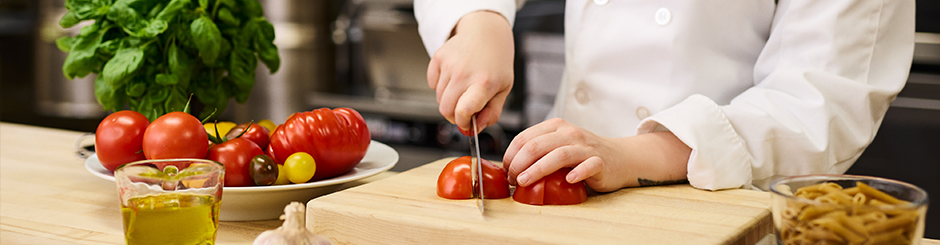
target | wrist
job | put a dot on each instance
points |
(480, 20)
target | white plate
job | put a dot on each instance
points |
(267, 202)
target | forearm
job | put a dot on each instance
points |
(657, 158)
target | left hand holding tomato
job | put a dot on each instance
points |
(604, 164)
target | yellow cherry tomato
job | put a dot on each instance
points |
(224, 127)
(268, 124)
(281, 176)
(300, 167)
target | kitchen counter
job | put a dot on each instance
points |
(47, 196)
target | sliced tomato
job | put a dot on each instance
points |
(455, 181)
(552, 190)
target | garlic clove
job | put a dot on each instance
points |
(292, 231)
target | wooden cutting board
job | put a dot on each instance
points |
(405, 209)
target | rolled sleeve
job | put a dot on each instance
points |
(719, 158)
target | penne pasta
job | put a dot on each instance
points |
(856, 215)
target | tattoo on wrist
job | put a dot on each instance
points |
(646, 182)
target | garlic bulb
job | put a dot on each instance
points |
(292, 231)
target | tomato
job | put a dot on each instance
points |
(300, 167)
(455, 181)
(552, 189)
(119, 139)
(223, 127)
(175, 135)
(263, 170)
(236, 155)
(281, 176)
(337, 139)
(256, 133)
(268, 124)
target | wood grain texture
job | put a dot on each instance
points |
(405, 209)
(47, 196)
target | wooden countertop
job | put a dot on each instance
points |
(47, 196)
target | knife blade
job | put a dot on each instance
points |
(476, 169)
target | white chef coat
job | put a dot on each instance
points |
(758, 89)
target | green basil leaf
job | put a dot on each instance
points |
(136, 88)
(65, 43)
(225, 15)
(180, 64)
(173, 9)
(126, 17)
(207, 38)
(145, 106)
(68, 20)
(264, 45)
(81, 59)
(109, 97)
(252, 8)
(242, 68)
(166, 79)
(176, 101)
(123, 66)
(204, 4)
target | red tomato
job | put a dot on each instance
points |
(175, 135)
(337, 139)
(455, 181)
(256, 133)
(236, 155)
(552, 190)
(119, 139)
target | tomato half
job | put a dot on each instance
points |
(119, 139)
(175, 135)
(552, 190)
(337, 139)
(455, 181)
(236, 155)
(256, 133)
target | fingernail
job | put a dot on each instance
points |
(572, 176)
(523, 179)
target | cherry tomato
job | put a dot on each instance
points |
(236, 155)
(337, 139)
(281, 176)
(552, 189)
(175, 135)
(263, 170)
(256, 133)
(300, 167)
(455, 181)
(119, 139)
(268, 124)
(223, 127)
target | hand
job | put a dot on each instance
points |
(604, 164)
(472, 72)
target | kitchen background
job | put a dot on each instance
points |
(367, 55)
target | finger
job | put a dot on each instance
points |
(491, 112)
(557, 158)
(450, 94)
(434, 72)
(532, 151)
(442, 81)
(471, 102)
(525, 136)
(588, 168)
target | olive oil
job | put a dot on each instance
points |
(171, 218)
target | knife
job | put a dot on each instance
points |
(476, 170)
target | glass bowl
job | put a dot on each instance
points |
(847, 209)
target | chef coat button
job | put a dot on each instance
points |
(642, 113)
(663, 16)
(601, 2)
(581, 95)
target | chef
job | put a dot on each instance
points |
(720, 93)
